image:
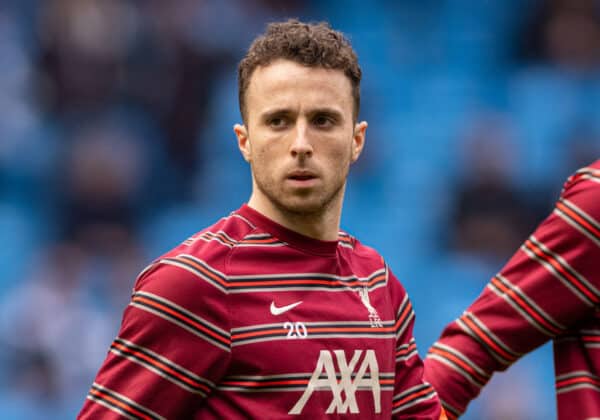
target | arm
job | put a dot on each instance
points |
(172, 347)
(548, 286)
(413, 397)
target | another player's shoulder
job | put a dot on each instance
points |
(580, 196)
(588, 176)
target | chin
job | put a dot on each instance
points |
(308, 202)
(304, 205)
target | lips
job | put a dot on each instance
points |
(301, 175)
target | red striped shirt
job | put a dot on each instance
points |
(247, 319)
(549, 290)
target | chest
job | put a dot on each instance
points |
(292, 327)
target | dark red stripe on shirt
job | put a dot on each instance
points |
(583, 220)
(148, 359)
(119, 402)
(171, 312)
(481, 334)
(563, 270)
(520, 300)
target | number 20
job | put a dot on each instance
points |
(295, 330)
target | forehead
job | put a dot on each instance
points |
(287, 84)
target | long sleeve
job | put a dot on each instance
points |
(549, 286)
(413, 397)
(172, 347)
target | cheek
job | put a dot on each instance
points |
(265, 160)
(272, 150)
(340, 156)
(263, 155)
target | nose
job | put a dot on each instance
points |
(301, 145)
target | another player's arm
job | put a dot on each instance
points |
(413, 397)
(549, 285)
(172, 348)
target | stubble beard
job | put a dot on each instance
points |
(308, 205)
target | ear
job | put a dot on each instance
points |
(358, 141)
(243, 141)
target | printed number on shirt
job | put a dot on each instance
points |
(295, 330)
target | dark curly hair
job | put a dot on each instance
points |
(310, 44)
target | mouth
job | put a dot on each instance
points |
(302, 178)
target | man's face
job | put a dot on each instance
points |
(300, 137)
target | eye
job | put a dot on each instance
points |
(277, 122)
(323, 121)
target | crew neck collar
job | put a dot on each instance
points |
(294, 239)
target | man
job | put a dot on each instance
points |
(549, 290)
(273, 312)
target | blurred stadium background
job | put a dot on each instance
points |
(116, 143)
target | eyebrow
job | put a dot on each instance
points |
(270, 113)
(334, 112)
(327, 111)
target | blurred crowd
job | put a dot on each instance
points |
(116, 143)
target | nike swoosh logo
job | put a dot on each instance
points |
(279, 310)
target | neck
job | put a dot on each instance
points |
(323, 224)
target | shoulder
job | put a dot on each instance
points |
(203, 256)
(359, 250)
(371, 261)
(366, 261)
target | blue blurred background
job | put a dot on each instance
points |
(116, 144)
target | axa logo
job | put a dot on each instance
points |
(325, 379)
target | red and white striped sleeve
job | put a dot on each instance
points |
(550, 284)
(413, 397)
(172, 347)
